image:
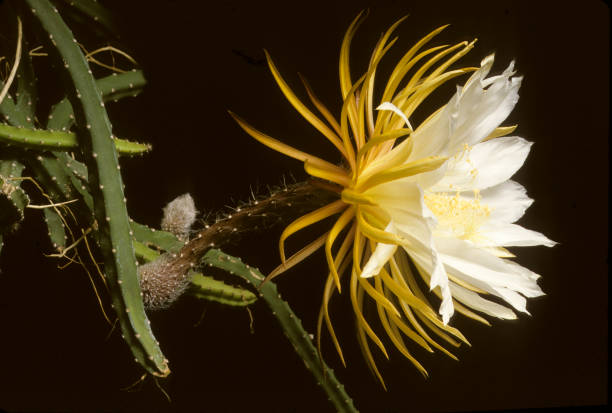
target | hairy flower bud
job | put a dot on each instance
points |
(179, 216)
(162, 283)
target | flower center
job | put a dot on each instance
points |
(457, 216)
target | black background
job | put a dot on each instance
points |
(202, 59)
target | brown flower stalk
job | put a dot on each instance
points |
(162, 281)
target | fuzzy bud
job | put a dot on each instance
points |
(162, 283)
(179, 216)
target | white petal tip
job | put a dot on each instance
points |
(550, 243)
(447, 309)
(488, 60)
(380, 256)
(368, 273)
(390, 106)
(372, 268)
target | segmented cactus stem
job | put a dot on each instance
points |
(59, 141)
(95, 141)
(291, 325)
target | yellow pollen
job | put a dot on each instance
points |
(458, 214)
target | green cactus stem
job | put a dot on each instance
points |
(56, 229)
(207, 288)
(26, 96)
(9, 110)
(144, 253)
(161, 240)
(120, 85)
(291, 325)
(113, 88)
(20, 111)
(261, 213)
(49, 174)
(56, 177)
(94, 11)
(60, 141)
(98, 149)
(75, 167)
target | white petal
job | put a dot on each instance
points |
(498, 159)
(422, 250)
(402, 194)
(430, 263)
(427, 260)
(429, 179)
(509, 71)
(476, 302)
(510, 235)
(479, 111)
(470, 115)
(391, 107)
(402, 201)
(498, 252)
(485, 165)
(513, 298)
(477, 78)
(525, 272)
(508, 201)
(433, 137)
(382, 253)
(484, 270)
(447, 309)
(416, 231)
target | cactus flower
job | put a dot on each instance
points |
(432, 205)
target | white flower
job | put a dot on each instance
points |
(469, 202)
(434, 201)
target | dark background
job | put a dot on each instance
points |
(201, 59)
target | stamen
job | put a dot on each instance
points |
(463, 217)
